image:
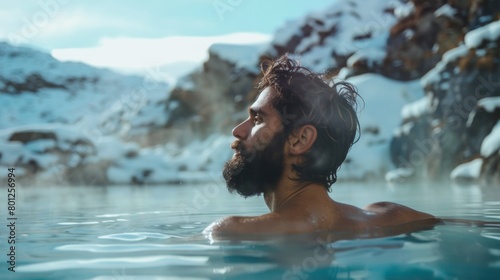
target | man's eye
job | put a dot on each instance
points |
(257, 120)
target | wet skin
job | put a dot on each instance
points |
(298, 207)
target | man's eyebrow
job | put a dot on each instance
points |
(257, 111)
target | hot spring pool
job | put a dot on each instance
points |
(153, 232)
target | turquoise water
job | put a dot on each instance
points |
(154, 232)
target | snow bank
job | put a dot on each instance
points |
(404, 10)
(433, 75)
(163, 164)
(490, 104)
(43, 148)
(113, 149)
(55, 148)
(370, 55)
(445, 10)
(489, 32)
(491, 143)
(467, 171)
(415, 109)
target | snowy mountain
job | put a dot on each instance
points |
(36, 88)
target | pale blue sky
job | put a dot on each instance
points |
(53, 24)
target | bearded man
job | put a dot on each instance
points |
(289, 149)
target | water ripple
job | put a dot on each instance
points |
(105, 248)
(140, 277)
(77, 223)
(137, 236)
(109, 263)
(112, 215)
(491, 235)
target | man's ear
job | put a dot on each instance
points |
(302, 139)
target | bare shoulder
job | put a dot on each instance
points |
(238, 224)
(397, 213)
(265, 224)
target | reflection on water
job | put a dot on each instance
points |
(154, 232)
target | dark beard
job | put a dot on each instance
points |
(252, 172)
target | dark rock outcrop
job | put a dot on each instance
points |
(32, 83)
(56, 151)
(211, 99)
(453, 129)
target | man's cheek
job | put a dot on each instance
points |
(275, 125)
(264, 138)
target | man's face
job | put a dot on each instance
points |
(258, 162)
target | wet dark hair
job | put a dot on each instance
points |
(303, 97)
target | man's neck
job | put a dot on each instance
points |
(281, 195)
(287, 189)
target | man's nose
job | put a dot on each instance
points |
(241, 130)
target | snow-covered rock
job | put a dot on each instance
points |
(491, 143)
(469, 171)
(59, 154)
(195, 163)
(325, 39)
(445, 10)
(458, 120)
(489, 32)
(40, 149)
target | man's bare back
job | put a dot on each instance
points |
(312, 210)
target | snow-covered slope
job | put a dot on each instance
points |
(36, 88)
(324, 39)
